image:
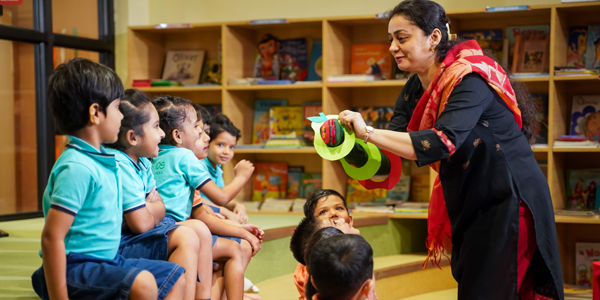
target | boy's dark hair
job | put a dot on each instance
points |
(321, 234)
(74, 86)
(133, 106)
(172, 112)
(311, 202)
(221, 123)
(307, 227)
(202, 113)
(340, 265)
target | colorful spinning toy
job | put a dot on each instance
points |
(360, 161)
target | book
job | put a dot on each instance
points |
(309, 109)
(533, 55)
(585, 255)
(353, 78)
(581, 189)
(577, 46)
(294, 184)
(269, 180)
(585, 117)
(357, 194)
(575, 144)
(592, 55)
(487, 39)
(294, 57)
(142, 83)
(211, 72)
(401, 191)
(540, 130)
(513, 32)
(284, 143)
(311, 182)
(378, 117)
(371, 59)
(260, 125)
(183, 66)
(267, 62)
(285, 120)
(315, 68)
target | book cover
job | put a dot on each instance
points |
(294, 184)
(311, 182)
(183, 66)
(267, 62)
(592, 57)
(540, 129)
(577, 46)
(585, 117)
(260, 125)
(378, 117)
(309, 109)
(315, 68)
(356, 193)
(585, 255)
(294, 59)
(525, 32)
(487, 39)
(533, 56)
(269, 180)
(371, 59)
(285, 120)
(581, 189)
(401, 191)
(211, 72)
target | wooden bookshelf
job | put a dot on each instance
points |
(148, 46)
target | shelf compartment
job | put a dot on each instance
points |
(258, 87)
(577, 78)
(379, 83)
(179, 89)
(576, 150)
(301, 150)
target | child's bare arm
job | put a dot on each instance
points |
(222, 196)
(144, 219)
(54, 255)
(239, 210)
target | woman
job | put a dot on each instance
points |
(459, 114)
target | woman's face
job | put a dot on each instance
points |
(409, 46)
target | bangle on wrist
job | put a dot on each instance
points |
(369, 131)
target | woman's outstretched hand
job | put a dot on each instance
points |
(354, 120)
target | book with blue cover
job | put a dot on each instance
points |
(315, 68)
(592, 57)
(577, 45)
(294, 59)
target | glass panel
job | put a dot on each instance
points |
(75, 17)
(18, 15)
(18, 150)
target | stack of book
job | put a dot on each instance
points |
(571, 71)
(575, 141)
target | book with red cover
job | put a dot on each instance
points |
(371, 59)
(269, 180)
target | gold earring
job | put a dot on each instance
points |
(432, 48)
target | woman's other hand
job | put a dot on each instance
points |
(354, 121)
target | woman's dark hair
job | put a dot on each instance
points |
(172, 112)
(311, 241)
(429, 15)
(74, 86)
(340, 265)
(311, 202)
(307, 227)
(134, 107)
(221, 123)
(202, 113)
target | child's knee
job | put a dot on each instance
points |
(144, 286)
(184, 236)
(179, 286)
(246, 248)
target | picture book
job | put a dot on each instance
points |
(211, 72)
(285, 120)
(401, 191)
(356, 193)
(512, 32)
(378, 117)
(315, 68)
(311, 182)
(309, 109)
(294, 184)
(592, 56)
(371, 59)
(585, 117)
(540, 129)
(260, 125)
(294, 59)
(581, 189)
(183, 66)
(585, 255)
(577, 46)
(267, 63)
(269, 180)
(533, 55)
(487, 39)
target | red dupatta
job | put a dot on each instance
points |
(462, 59)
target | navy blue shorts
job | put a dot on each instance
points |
(217, 210)
(91, 277)
(153, 244)
(237, 239)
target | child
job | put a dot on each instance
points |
(147, 232)
(179, 173)
(223, 138)
(83, 200)
(327, 205)
(341, 268)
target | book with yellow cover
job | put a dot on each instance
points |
(371, 59)
(285, 120)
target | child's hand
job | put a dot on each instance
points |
(255, 230)
(254, 242)
(220, 216)
(240, 211)
(153, 196)
(244, 168)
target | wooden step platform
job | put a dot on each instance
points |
(449, 294)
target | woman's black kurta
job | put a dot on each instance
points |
(492, 169)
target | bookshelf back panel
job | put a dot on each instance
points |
(204, 97)
(207, 40)
(372, 34)
(146, 55)
(336, 49)
(376, 96)
(499, 20)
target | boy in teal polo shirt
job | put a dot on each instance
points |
(83, 202)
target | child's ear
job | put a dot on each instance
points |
(94, 112)
(351, 223)
(367, 289)
(132, 138)
(177, 136)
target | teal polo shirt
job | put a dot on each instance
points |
(178, 173)
(216, 174)
(84, 182)
(137, 180)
